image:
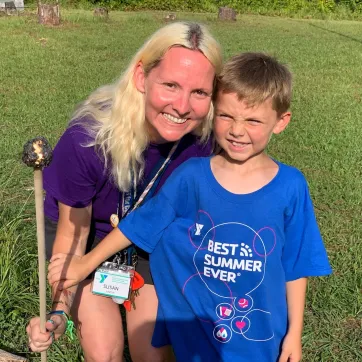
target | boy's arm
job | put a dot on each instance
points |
(292, 344)
(69, 269)
(110, 245)
(296, 291)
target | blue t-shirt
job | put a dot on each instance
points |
(220, 261)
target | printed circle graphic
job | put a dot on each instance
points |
(225, 311)
(243, 304)
(268, 248)
(226, 254)
(240, 325)
(222, 333)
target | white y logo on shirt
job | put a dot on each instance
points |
(198, 229)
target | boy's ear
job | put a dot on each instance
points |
(282, 123)
(139, 78)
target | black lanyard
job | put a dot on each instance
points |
(131, 200)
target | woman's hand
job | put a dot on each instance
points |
(67, 269)
(38, 341)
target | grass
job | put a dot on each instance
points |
(45, 71)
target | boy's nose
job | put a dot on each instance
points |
(237, 129)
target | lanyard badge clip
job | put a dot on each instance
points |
(113, 280)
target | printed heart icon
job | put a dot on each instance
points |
(240, 324)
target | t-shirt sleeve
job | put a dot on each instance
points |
(304, 254)
(72, 176)
(146, 225)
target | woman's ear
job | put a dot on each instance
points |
(282, 123)
(139, 78)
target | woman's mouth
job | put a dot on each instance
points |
(174, 119)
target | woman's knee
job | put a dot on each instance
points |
(141, 325)
(103, 353)
(99, 326)
(163, 354)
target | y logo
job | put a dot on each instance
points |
(103, 277)
(198, 229)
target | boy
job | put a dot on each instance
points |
(236, 233)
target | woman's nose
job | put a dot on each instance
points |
(182, 105)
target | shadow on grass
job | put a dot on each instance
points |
(337, 33)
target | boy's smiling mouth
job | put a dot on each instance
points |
(238, 144)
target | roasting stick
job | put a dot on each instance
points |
(38, 154)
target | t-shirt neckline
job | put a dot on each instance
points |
(239, 198)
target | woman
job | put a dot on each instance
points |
(117, 139)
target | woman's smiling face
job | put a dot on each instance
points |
(177, 93)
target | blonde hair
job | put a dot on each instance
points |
(256, 77)
(117, 110)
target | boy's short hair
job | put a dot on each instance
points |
(256, 77)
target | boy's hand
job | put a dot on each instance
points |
(67, 269)
(291, 349)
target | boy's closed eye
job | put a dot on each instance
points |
(224, 116)
(253, 121)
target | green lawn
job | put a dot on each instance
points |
(45, 71)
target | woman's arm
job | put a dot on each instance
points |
(71, 238)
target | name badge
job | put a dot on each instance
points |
(111, 280)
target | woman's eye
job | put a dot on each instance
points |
(201, 93)
(170, 85)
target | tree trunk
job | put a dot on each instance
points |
(8, 357)
(226, 13)
(48, 14)
(101, 12)
(10, 7)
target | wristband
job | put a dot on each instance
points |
(69, 324)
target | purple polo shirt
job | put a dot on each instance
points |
(77, 176)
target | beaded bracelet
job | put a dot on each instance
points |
(69, 323)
